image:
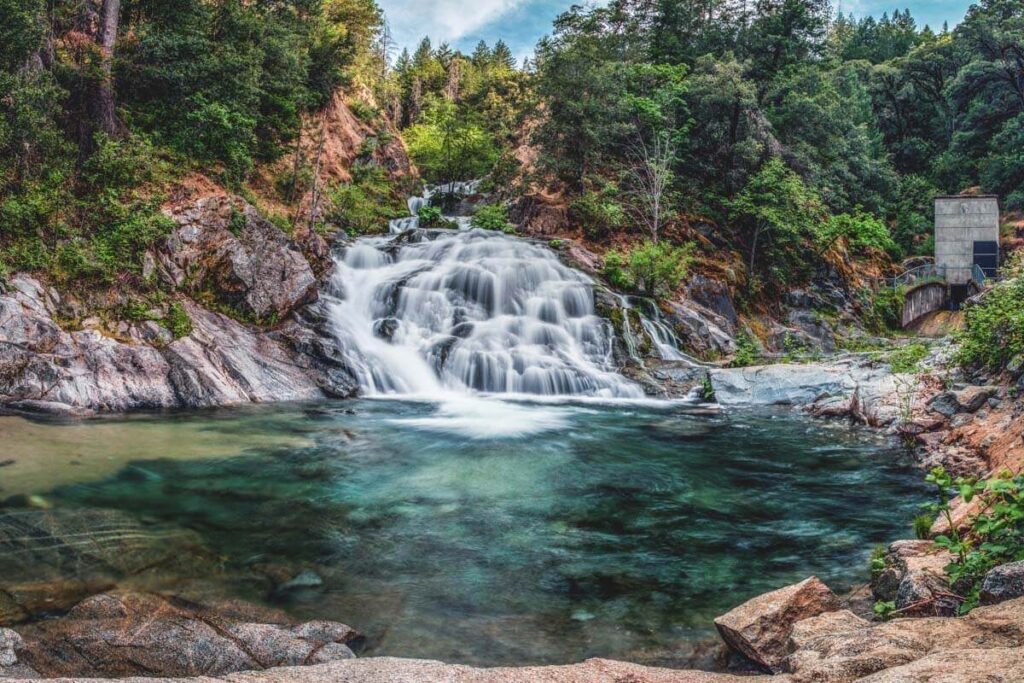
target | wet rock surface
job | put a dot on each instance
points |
(52, 559)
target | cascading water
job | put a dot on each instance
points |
(470, 311)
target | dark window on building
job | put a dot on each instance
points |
(986, 257)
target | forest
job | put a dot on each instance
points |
(779, 128)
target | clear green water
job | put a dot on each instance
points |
(579, 531)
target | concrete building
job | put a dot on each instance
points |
(966, 235)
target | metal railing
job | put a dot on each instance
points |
(978, 275)
(928, 272)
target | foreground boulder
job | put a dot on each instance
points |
(135, 634)
(842, 651)
(52, 559)
(761, 628)
(914, 577)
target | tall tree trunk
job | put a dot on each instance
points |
(105, 114)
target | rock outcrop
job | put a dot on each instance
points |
(760, 628)
(927, 649)
(52, 559)
(1004, 582)
(848, 386)
(223, 248)
(44, 367)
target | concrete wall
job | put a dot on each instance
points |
(959, 223)
(924, 299)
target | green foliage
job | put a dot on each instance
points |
(993, 331)
(781, 216)
(906, 358)
(922, 526)
(365, 205)
(492, 217)
(883, 609)
(178, 321)
(995, 534)
(654, 269)
(748, 351)
(884, 310)
(862, 233)
(597, 213)
(450, 144)
(433, 217)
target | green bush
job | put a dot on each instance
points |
(597, 214)
(862, 232)
(747, 351)
(492, 217)
(906, 359)
(994, 535)
(365, 205)
(178, 321)
(993, 332)
(433, 217)
(654, 269)
(884, 310)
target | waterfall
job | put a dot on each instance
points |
(470, 311)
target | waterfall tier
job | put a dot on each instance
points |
(470, 311)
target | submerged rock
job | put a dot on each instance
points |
(760, 628)
(52, 559)
(142, 634)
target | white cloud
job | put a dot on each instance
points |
(442, 20)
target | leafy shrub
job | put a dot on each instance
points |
(655, 269)
(995, 534)
(365, 205)
(492, 217)
(747, 351)
(922, 526)
(862, 232)
(597, 214)
(993, 331)
(178, 321)
(905, 359)
(884, 310)
(433, 217)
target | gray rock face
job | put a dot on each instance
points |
(239, 256)
(135, 634)
(46, 368)
(848, 387)
(1004, 582)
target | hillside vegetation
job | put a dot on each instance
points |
(770, 139)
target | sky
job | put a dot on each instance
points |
(520, 23)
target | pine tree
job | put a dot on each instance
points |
(503, 56)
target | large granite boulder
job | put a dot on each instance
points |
(142, 634)
(224, 248)
(760, 628)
